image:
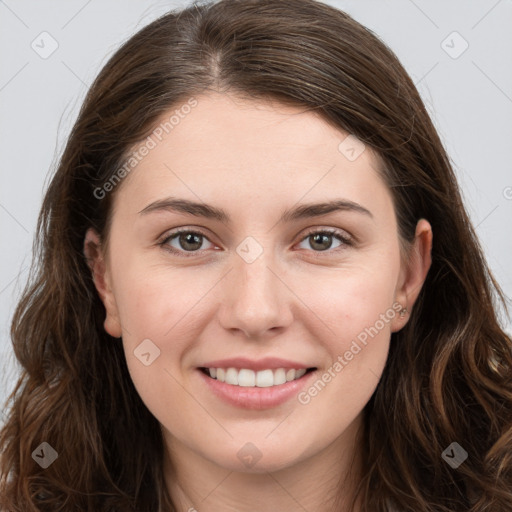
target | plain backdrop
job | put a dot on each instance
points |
(457, 52)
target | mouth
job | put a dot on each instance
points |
(243, 377)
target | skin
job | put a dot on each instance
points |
(294, 301)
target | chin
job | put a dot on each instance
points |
(251, 459)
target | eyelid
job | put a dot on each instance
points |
(343, 236)
(338, 232)
(168, 235)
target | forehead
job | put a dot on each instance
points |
(252, 152)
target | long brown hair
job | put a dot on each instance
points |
(448, 377)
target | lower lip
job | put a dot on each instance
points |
(254, 397)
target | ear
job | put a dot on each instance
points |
(413, 273)
(101, 277)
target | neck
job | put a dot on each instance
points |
(324, 482)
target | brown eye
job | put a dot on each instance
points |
(190, 241)
(184, 241)
(321, 241)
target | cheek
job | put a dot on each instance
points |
(153, 298)
(355, 298)
(171, 306)
(337, 310)
(164, 305)
(162, 317)
(356, 308)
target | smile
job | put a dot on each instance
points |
(249, 378)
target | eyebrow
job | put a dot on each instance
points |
(303, 211)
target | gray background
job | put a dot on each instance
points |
(469, 97)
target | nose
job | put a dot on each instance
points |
(256, 300)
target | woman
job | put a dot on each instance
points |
(258, 287)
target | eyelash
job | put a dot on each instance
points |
(340, 235)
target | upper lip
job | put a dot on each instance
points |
(268, 363)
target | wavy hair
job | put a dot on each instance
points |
(448, 377)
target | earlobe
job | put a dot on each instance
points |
(96, 261)
(414, 273)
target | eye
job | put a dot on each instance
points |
(321, 240)
(187, 241)
(191, 242)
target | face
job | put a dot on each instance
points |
(268, 287)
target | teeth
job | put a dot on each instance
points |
(265, 379)
(246, 378)
(279, 376)
(231, 376)
(250, 378)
